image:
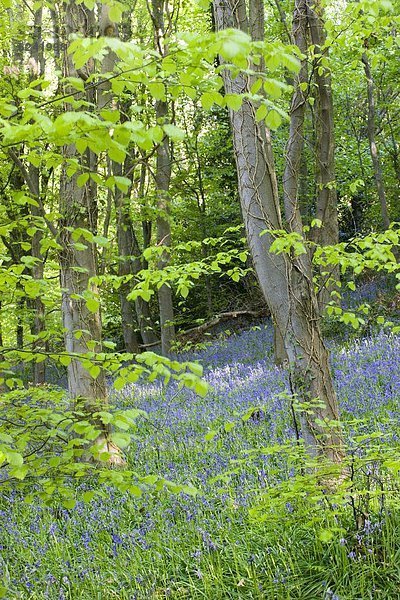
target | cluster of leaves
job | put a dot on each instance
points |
(45, 445)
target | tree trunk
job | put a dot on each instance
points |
(128, 247)
(294, 147)
(124, 234)
(162, 180)
(78, 209)
(128, 264)
(326, 196)
(373, 148)
(163, 175)
(38, 326)
(286, 281)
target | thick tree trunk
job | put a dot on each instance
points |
(286, 282)
(78, 208)
(326, 196)
(373, 148)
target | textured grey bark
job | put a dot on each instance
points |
(373, 148)
(78, 208)
(294, 147)
(326, 195)
(295, 144)
(162, 180)
(286, 282)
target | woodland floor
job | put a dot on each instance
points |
(250, 532)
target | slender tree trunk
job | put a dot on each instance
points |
(394, 152)
(128, 265)
(78, 208)
(19, 333)
(163, 175)
(56, 35)
(373, 148)
(124, 233)
(326, 195)
(3, 387)
(286, 282)
(128, 246)
(294, 147)
(295, 144)
(38, 325)
(162, 180)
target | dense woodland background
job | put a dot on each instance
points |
(181, 191)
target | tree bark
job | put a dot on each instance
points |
(373, 148)
(326, 195)
(78, 207)
(286, 281)
(162, 181)
(38, 326)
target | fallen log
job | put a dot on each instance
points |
(225, 316)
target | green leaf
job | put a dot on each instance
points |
(82, 179)
(210, 435)
(93, 305)
(121, 439)
(201, 388)
(157, 90)
(110, 115)
(207, 100)
(325, 535)
(169, 65)
(184, 290)
(14, 458)
(273, 88)
(135, 490)
(119, 383)
(19, 472)
(233, 101)
(88, 496)
(273, 119)
(261, 112)
(81, 145)
(69, 503)
(117, 153)
(115, 13)
(122, 183)
(174, 132)
(95, 371)
(196, 368)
